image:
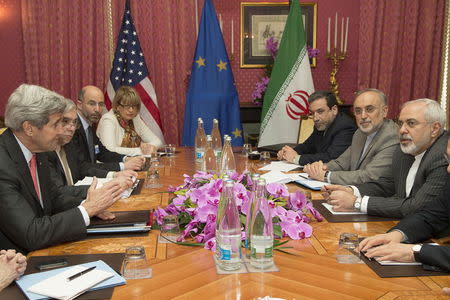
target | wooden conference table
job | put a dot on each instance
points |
(183, 272)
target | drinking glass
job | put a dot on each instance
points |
(134, 265)
(265, 157)
(246, 149)
(170, 150)
(170, 230)
(346, 253)
(152, 178)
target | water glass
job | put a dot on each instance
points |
(152, 178)
(170, 230)
(246, 149)
(134, 265)
(346, 253)
(170, 150)
(265, 157)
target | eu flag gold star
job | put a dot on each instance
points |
(222, 65)
(236, 133)
(200, 61)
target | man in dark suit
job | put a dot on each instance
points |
(33, 213)
(332, 133)
(90, 104)
(417, 172)
(370, 155)
(418, 227)
(67, 166)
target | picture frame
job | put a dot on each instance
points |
(260, 20)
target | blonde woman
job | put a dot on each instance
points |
(122, 130)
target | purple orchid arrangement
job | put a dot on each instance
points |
(261, 85)
(196, 201)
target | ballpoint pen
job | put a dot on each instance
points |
(80, 273)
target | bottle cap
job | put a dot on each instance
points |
(208, 138)
(215, 121)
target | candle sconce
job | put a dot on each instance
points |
(335, 56)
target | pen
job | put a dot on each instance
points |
(80, 273)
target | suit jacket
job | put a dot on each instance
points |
(110, 159)
(350, 169)
(24, 224)
(79, 166)
(388, 194)
(329, 144)
(426, 223)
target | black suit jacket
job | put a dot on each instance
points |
(109, 159)
(24, 224)
(426, 223)
(79, 166)
(329, 144)
(388, 193)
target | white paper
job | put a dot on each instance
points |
(330, 208)
(281, 166)
(397, 263)
(60, 288)
(276, 177)
(101, 181)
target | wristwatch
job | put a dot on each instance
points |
(325, 176)
(357, 204)
(416, 250)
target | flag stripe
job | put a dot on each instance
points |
(149, 104)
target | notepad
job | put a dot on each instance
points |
(303, 179)
(330, 208)
(54, 283)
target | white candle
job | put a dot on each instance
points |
(196, 18)
(342, 35)
(346, 36)
(335, 32)
(232, 37)
(328, 40)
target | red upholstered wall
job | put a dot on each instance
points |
(12, 70)
(12, 67)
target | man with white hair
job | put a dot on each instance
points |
(33, 213)
(418, 170)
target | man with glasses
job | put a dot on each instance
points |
(332, 133)
(370, 155)
(417, 170)
(67, 166)
(90, 105)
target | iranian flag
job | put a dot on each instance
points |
(290, 85)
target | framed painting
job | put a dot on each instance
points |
(262, 20)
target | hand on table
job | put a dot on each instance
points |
(100, 199)
(380, 239)
(341, 200)
(392, 251)
(147, 148)
(106, 215)
(12, 266)
(134, 163)
(287, 153)
(316, 170)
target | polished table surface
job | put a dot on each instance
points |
(182, 272)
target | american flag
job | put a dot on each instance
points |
(129, 68)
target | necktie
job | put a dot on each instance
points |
(33, 169)
(65, 165)
(90, 140)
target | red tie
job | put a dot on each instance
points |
(33, 170)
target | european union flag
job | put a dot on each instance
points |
(212, 93)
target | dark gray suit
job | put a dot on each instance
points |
(350, 169)
(24, 224)
(388, 194)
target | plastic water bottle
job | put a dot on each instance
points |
(229, 232)
(227, 164)
(216, 139)
(210, 161)
(251, 207)
(200, 141)
(261, 238)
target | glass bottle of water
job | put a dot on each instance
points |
(229, 232)
(251, 207)
(227, 164)
(261, 238)
(200, 141)
(219, 214)
(210, 161)
(216, 139)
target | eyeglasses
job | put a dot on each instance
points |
(447, 158)
(128, 106)
(410, 123)
(369, 109)
(70, 122)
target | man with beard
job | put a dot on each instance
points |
(370, 155)
(90, 104)
(67, 166)
(332, 133)
(418, 170)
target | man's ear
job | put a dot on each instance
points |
(435, 129)
(27, 128)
